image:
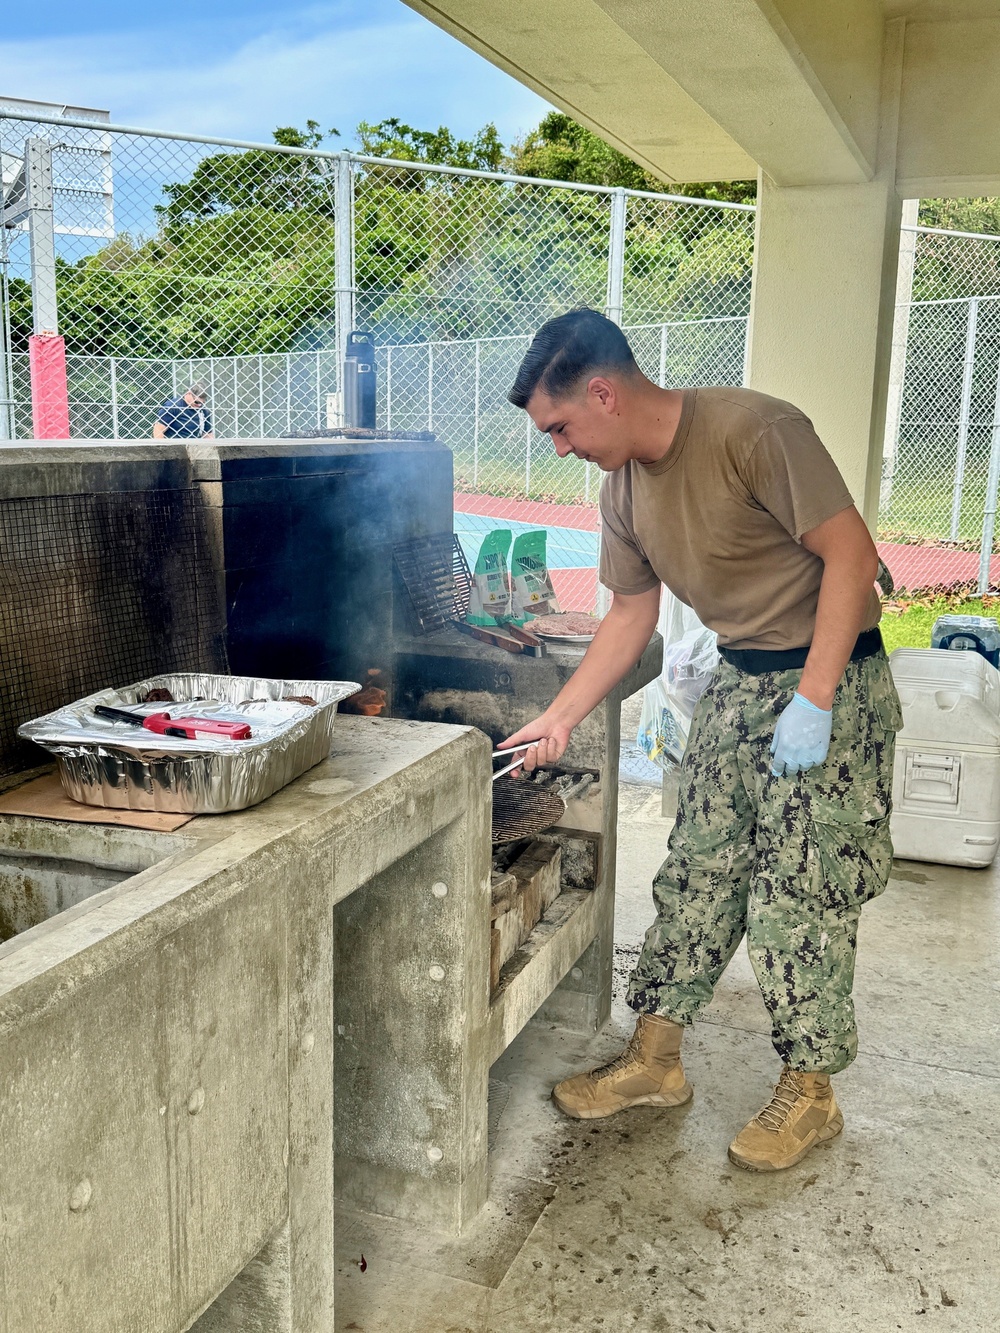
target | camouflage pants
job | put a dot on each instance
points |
(787, 861)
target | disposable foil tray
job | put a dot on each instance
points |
(129, 768)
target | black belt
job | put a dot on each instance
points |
(757, 661)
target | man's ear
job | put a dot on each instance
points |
(604, 391)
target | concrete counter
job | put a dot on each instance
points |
(171, 1041)
(167, 1045)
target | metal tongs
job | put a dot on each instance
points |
(502, 754)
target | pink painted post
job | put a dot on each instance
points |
(49, 391)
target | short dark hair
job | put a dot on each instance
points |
(565, 349)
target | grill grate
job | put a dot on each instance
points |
(436, 575)
(97, 590)
(521, 809)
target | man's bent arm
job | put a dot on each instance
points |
(618, 644)
(850, 566)
(159, 430)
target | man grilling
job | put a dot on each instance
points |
(729, 498)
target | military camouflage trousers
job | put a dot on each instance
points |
(787, 861)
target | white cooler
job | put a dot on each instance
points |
(946, 785)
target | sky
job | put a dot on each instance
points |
(241, 68)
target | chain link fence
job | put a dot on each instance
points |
(164, 262)
(118, 398)
(941, 463)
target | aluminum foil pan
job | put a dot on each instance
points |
(127, 768)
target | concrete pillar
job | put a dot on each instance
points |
(824, 293)
(411, 957)
(821, 316)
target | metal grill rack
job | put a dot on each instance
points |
(436, 575)
(522, 808)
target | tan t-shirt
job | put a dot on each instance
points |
(719, 517)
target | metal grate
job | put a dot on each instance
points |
(436, 575)
(97, 590)
(521, 809)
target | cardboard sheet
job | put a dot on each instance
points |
(44, 798)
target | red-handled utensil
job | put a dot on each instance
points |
(191, 728)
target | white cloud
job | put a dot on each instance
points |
(310, 63)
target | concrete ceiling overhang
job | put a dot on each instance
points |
(716, 89)
(693, 92)
(949, 119)
(572, 53)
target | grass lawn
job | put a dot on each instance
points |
(910, 626)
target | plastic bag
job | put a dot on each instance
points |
(688, 666)
(489, 602)
(690, 656)
(533, 594)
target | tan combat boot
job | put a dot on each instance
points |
(647, 1073)
(802, 1113)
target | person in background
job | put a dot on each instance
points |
(729, 498)
(184, 418)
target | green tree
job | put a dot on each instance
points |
(257, 178)
(561, 149)
(977, 215)
(391, 138)
(243, 260)
(955, 266)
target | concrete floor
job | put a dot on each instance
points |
(640, 1222)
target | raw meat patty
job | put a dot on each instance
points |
(567, 622)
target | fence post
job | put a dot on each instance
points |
(900, 337)
(8, 426)
(968, 369)
(49, 388)
(115, 432)
(614, 307)
(990, 510)
(475, 423)
(430, 386)
(616, 257)
(662, 381)
(388, 387)
(235, 362)
(8, 422)
(41, 222)
(343, 259)
(527, 454)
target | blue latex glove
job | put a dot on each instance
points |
(801, 738)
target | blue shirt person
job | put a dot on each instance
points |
(184, 418)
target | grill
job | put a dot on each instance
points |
(523, 808)
(341, 560)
